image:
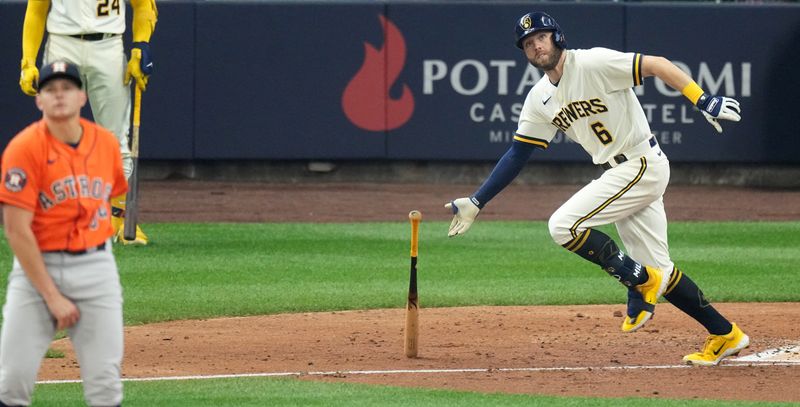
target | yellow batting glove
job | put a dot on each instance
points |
(134, 70)
(28, 77)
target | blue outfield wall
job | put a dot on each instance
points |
(168, 110)
(430, 81)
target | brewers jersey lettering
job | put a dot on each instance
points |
(593, 104)
(51, 179)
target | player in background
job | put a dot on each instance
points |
(588, 95)
(58, 176)
(88, 34)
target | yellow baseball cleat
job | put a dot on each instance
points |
(718, 347)
(642, 302)
(118, 222)
(119, 233)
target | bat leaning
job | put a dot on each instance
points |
(411, 342)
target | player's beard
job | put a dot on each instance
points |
(549, 63)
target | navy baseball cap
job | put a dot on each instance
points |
(59, 69)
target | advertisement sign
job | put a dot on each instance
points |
(432, 81)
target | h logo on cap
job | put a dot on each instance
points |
(59, 66)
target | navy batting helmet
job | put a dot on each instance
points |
(538, 21)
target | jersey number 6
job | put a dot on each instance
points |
(602, 134)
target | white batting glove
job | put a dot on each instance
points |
(715, 108)
(465, 212)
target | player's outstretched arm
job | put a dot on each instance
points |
(465, 210)
(140, 65)
(32, 34)
(714, 108)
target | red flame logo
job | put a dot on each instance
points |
(366, 100)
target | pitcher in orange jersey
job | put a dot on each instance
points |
(58, 175)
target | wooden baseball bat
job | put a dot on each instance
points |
(412, 307)
(132, 198)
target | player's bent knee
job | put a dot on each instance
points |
(559, 230)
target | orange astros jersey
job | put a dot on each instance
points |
(67, 188)
(593, 104)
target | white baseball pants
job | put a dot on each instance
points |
(630, 196)
(102, 67)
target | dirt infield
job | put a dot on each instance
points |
(558, 350)
(195, 201)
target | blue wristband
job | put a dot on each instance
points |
(147, 58)
(710, 104)
(504, 172)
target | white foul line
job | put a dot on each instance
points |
(423, 371)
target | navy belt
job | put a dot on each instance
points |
(621, 158)
(93, 36)
(100, 247)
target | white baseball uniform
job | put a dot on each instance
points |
(100, 58)
(595, 106)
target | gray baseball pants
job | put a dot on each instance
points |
(91, 281)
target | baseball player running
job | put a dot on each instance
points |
(88, 34)
(588, 95)
(58, 176)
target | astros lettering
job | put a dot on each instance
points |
(65, 188)
(578, 109)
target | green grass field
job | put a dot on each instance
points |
(254, 392)
(210, 270)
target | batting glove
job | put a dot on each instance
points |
(28, 77)
(140, 66)
(465, 212)
(715, 108)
